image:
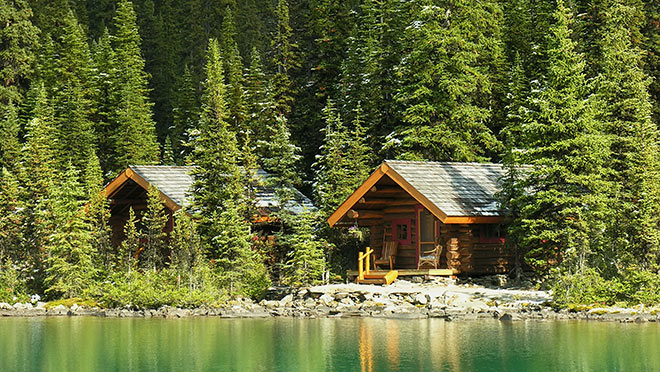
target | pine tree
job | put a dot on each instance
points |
(153, 234)
(330, 186)
(215, 148)
(562, 215)
(186, 246)
(19, 40)
(257, 98)
(71, 258)
(105, 95)
(454, 54)
(233, 67)
(652, 46)
(305, 263)
(623, 90)
(39, 177)
(9, 143)
(130, 246)
(11, 217)
(186, 114)
(135, 138)
(98, 215)
(281, 161)
(218, 190)
(343, 162)
(284, 59)
(71, 97)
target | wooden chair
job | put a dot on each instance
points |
(431, 257)
(387, 255)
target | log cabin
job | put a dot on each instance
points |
(445, 208)
(129, 189)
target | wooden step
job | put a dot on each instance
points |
(379, 278)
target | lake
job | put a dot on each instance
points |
(360, 344)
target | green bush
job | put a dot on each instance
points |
(12, 287)
(153, 289)
(634, 286)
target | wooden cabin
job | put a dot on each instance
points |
(174, 183)
(427, 205)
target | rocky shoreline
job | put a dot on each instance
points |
(402, 300)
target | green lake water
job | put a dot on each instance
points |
(213, 344)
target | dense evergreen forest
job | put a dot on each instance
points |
(565, 93)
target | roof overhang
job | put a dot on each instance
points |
(129, 174)
(383, 170)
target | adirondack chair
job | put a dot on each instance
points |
(431, 258)
(387, 255)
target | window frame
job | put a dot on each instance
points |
(395, 231)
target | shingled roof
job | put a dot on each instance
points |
(453, 192)
(457, 189)
(175, 182)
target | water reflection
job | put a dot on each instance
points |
(369, 345)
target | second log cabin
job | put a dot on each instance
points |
(422, 206)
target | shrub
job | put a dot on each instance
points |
(12, 286)
(153, 289)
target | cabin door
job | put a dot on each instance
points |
(427, 232)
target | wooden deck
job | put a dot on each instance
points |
(408, 272)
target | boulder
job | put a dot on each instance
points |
(421, 299)
(326, 299)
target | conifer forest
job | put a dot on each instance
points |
(565, 94)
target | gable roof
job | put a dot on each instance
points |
(175, 186)
(453, 192)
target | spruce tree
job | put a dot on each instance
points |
(185, 114)
(71, 97)
(19, 40)
(281, 160)
(11, 217)
(258, 106)
(623, 91)
(233, 67)
(153, 235)
(186, 246)
(70, 265)
(39, 177)
(218, 190)
(453, 55)
(331, 185)
(284, 59)
(9, 143)
(105, 95)
(562, 214)
(305, 263)
(130, 246)
(135, 137)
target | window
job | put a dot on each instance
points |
(401, 231)
(491, 233)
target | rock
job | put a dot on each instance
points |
(20, 306)
(309, 303)
(506, 317)
(286, 301)
(40, 305)
(421, 299)
(347, 301)
(5, 306)
(326, 299)
(418, 279)
(340, 295)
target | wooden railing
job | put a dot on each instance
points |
(362, 259)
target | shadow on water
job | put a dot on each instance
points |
(368, 345)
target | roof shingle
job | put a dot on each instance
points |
(176, 182)
(457, 189)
